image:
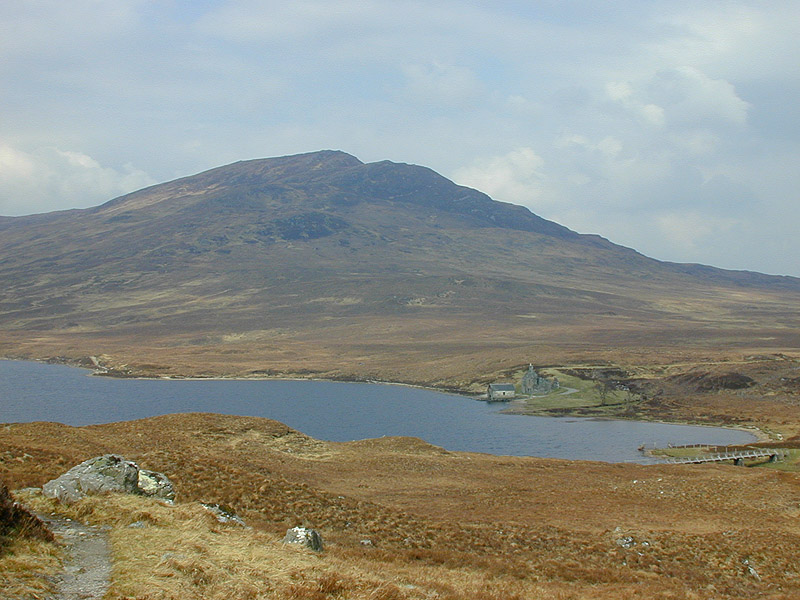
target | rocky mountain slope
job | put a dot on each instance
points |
(324, 263)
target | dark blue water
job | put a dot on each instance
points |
(337, 412)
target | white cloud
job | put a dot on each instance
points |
(696, 143)
(624, 94)
(690, 96)
(690, 230)
(31, 181)
(730, 39)
(682, 95)
(515, 177)
(653, 114)
(619, 91)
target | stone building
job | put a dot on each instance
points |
(500, 392)
(534, 384)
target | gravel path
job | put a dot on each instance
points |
(87, 568)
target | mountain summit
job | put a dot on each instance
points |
(331, 182)
(322, 261)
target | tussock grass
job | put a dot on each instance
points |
(28, 555)
(27, 567)
(441, 524)
(179, 552)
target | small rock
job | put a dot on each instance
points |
(137, 525)
(626, 542)
(304, 536)
(224, 514)
(751, 570)
(172, 556)
(367, 543)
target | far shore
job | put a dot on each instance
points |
(757, 432)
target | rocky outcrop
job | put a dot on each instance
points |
(305, 537)
(105, 474)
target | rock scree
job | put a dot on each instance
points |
(108, 473)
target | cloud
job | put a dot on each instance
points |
(690, 96)
(29, 181)
(681, 96)
(515, 177)
(691, 230)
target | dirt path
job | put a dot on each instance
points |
(87, 567)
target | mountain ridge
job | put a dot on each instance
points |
(303, 247)
(309, 167)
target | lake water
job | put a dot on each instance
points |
(335, 411)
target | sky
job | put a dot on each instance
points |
(672, 127)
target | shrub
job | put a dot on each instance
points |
(17, 521)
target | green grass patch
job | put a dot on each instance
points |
(791, 463)
(682, 452)
(575, 393)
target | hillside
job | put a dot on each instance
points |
(404, 520)
(319, 263)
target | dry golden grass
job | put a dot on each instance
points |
(183, 552)
(28, 555)
(26, 569)
(441, 524)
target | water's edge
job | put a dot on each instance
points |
(337, 411)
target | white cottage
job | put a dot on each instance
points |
(501, 392)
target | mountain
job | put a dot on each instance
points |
(320, 263)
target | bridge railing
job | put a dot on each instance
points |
(738, 455)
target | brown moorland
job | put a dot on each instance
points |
(439, 524)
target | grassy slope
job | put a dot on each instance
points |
(455, 524)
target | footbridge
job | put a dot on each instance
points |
(737, 456)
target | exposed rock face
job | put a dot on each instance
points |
(304, 536)
(108, 473)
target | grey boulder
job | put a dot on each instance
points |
(104, 474)
(304, 537)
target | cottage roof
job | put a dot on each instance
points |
(502, 387)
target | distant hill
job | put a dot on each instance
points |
(320, 262)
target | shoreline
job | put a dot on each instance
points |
(98, 370)
(757, 432)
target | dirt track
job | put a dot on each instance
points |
(87, 568)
